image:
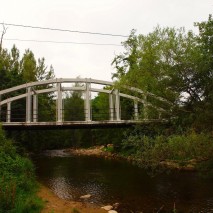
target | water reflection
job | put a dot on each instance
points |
(61, 187)
(111, 181)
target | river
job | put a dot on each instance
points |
(116, 181)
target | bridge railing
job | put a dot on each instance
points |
(29, 111)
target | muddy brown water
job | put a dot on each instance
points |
(116, 181)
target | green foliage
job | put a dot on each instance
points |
(17, 181)
(108, 149)
(100, 107)
(150, 151)
(16, 70)
(176, 65)
(10, 74)
(28, 66)
(74, 107)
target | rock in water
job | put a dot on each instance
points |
(86, 196)
(107, 208)
(116, 205)
(112, 211)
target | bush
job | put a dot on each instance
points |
(150, 151)
(17, 180)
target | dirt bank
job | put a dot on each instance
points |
(94, 151)
(53, 204)
(98, 151)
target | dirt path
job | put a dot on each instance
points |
(54, 204)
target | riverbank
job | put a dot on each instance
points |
(54, 204)
(98, 151)
(101, 151)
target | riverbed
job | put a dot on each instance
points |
(111, 181)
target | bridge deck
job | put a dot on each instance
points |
(77, 124)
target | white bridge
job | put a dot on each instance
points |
(29, 93)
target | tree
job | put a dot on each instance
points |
(203, 115)
(152, 62)
(170, 63)
(74, 105)
(28, 66)
(100, 107)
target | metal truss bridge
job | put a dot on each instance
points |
(20, 106)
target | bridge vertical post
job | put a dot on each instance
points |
(87, 102)
(136, 109)
(59, 103)
(111, 107)
(35, 108)
(28, 105)
(117, 105)
(9, 112)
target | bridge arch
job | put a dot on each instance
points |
(30, 92)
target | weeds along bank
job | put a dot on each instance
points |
(18, 186)
(188, 151)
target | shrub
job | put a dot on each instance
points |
(17, 180)
(150, 151)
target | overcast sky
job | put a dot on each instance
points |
(104, 16)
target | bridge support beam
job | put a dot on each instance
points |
(117, 105)
(111, 107)
(8, 112)
(136, 109)
(35, 108)
(59, 104)
(28, 105)
(87, 103)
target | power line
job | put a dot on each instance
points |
(60, 42)
(64, 30)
